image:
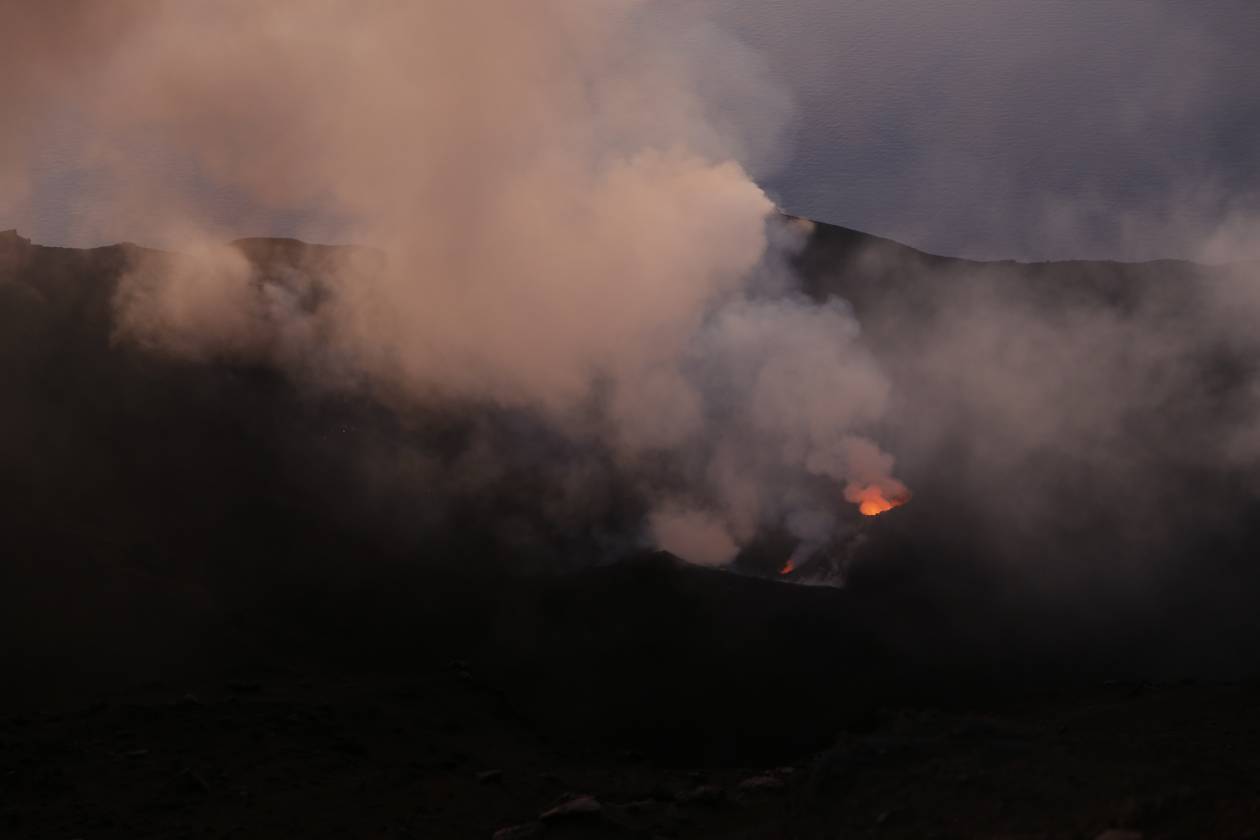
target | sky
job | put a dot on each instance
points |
(1025, 129)
(999, 128)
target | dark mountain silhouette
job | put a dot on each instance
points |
(144, 489)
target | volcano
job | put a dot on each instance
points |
(227, 599)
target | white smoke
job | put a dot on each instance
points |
(566, 217)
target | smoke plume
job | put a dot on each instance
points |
(562, 217)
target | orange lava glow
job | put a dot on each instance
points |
(871, 501)
(788, 567)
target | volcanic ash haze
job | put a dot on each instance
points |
(568, 222)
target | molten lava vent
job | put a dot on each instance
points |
(872, 499)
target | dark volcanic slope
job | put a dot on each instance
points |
(880, 276)
(362, 636)
(155, 506)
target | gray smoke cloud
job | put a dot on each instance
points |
(561, 204)
(1084, 427)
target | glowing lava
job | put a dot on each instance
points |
(872, 500)
(788, 567)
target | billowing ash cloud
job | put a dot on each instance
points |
(565, 224)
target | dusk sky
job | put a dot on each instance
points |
(986, 128)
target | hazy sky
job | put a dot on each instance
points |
(993, 128)
(1021, 129)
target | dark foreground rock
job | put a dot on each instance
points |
(1097, 761)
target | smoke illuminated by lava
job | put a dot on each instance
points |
(872, 500)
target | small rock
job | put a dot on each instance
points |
(661, 791)
(459, 667)
(1119, 834)
(577, 806)
(518, 832)
(348, 746)
(702, 795)
(487, 777)
(189, 782)
(761, 784)
(642, 807)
